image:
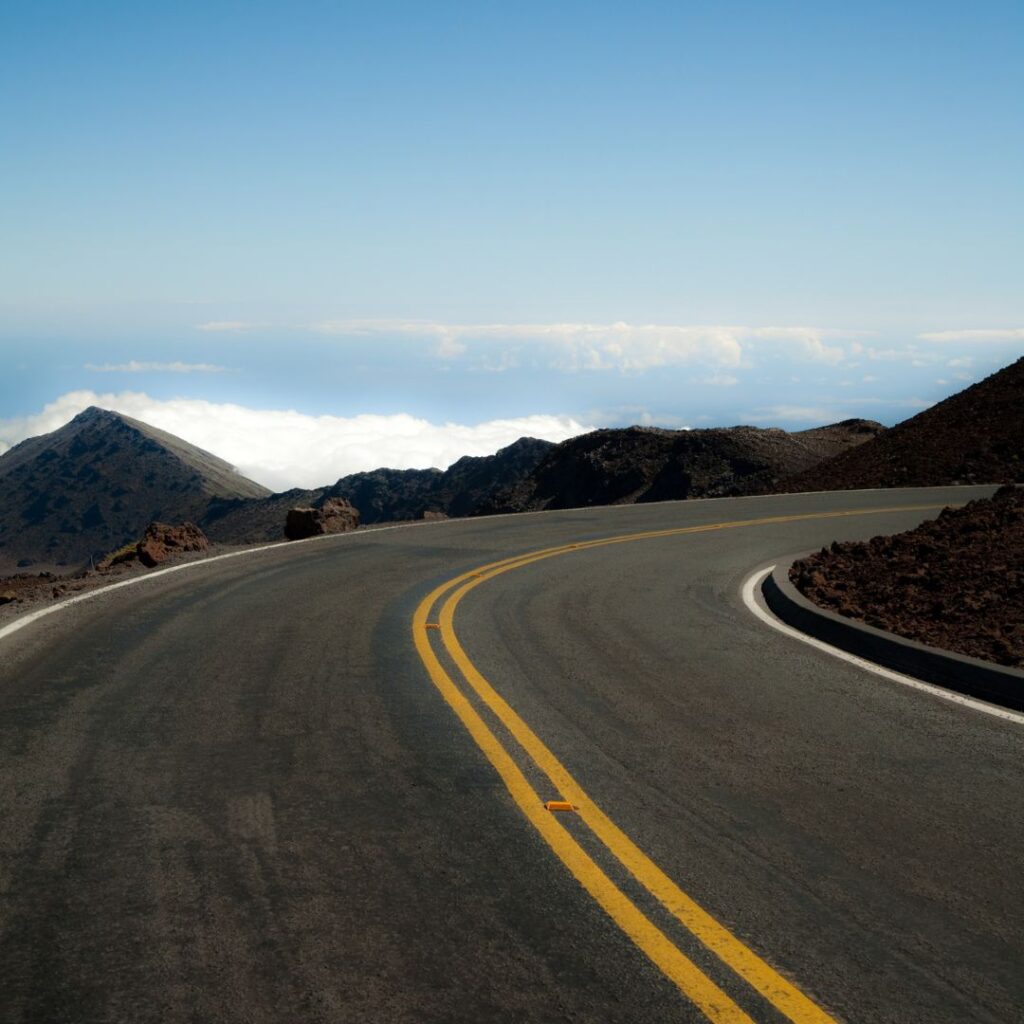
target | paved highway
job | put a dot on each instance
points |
(307, 785)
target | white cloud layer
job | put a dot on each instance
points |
(617, 346)
(134, 366)
(981, 334)
(283, 448)
(231, 326)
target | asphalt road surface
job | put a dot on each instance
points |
(255, 791)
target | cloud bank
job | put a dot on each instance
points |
(980, 334)
(616, 346)
(229, 326)
(135, 366)
(284, 448)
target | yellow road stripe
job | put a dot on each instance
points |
(674, 964)
(785, 996)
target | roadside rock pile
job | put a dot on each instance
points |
(955, 582)
(335, 515)
(161, 541)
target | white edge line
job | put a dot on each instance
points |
(30, 617)
(24, 620)
(749, 591)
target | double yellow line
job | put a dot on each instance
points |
(692, 982)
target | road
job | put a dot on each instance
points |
(239, 793)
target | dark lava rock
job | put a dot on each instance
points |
(955, 582)
(335, 515)
(641, 464)
(383, 495)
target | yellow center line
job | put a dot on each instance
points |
(696, 986)
(674, 964)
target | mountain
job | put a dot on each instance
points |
(385, 495)
(974, 436)
(639, 464)
(96, 483)
(459, 490)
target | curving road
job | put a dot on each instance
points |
(241, 792)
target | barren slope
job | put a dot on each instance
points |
(975, 436)
(96, 483)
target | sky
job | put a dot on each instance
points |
(320, 237)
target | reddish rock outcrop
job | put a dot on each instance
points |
(955, 582)
(335, 515)
(160, 541)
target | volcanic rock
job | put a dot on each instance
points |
(382, 495)
(335, 515)
(955, 582)
(390, 494)
(161, 541)
(641, 464)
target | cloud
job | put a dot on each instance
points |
(134, 366)
(997, 334)
(284, 448)
(616, 346)
(775, 414)
(235, 326)
(834, 410)
(721, 380)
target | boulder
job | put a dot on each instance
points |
(335, 515)
(431, 515)
(8, 597)
(160, 541)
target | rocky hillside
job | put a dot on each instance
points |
(639, 464)
(955, 582)
(975, 436)
(459, 490)
(96, 483)
(385, 495)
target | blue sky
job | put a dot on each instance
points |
(684, 214)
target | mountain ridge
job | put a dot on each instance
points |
(96, 482)
(973, 436)
(624, 465)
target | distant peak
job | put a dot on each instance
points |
(93, 413)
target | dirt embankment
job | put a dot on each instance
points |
(25, 592)
(955, 582)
